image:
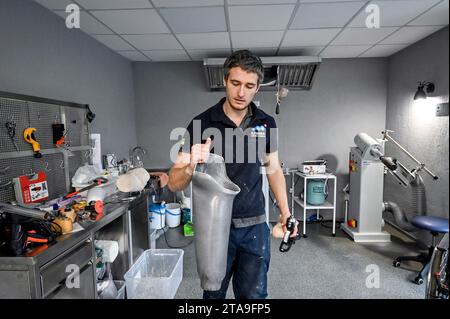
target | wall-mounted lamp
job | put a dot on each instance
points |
(89, 114)
(422, 90)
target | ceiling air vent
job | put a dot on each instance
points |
(292, 72)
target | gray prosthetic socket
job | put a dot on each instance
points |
(213, 195)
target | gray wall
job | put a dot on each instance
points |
(40, 56)
(416, 127)
(348, 97)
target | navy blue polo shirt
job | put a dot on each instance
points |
(242, 149)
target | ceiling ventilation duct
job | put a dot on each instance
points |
(293, 72)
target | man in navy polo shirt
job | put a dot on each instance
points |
(237, 127)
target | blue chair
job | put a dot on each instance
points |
(436, 226)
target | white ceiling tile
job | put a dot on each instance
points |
(216, 40)
(344, 51)
(360, 36)
(315, 1)
(261, 51)
(153, 41)
(252, 18)
(167, 55)
(246, 2)
(88, 24)
(113, 41)
(192, 20)
(438, 15)
(409, 35)
(114, 4)
(324, 15)
(312, 37)
(383, 50)
(186, 3)
(133, 55)
(256, 39)
(199, 55)
(395, 13)
(300, 51)
(132, 21)
(55, 4)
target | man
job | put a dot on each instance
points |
(249, 243)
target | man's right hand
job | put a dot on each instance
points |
(200, 153)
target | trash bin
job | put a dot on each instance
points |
(155, 275)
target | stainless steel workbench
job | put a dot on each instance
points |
(44, 273)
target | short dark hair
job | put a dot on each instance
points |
(247, 61)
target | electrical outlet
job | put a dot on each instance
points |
(442, 109)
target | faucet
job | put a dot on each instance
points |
(134, 156)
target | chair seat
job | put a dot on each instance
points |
(431, 223)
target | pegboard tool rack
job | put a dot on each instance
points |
(59, 164)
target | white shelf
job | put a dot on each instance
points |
(326, 205)
(315, 176)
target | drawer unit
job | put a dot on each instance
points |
(54, 274)
(84, 291)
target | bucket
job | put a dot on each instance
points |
(173, 214)
(316, 192)
(157, 215)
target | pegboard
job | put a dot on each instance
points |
(53, 166)
(16, 111)
(40, 113)
(77, 127)
(42, 116)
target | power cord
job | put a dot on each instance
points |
(165, 237)
(322, 223)
(170, 246)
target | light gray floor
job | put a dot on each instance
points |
(321, 266)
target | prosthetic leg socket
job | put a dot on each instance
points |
(213, 195)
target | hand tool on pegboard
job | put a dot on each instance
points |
(28, 135)
(11, 127)
(59, 136)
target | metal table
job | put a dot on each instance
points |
(42, 273)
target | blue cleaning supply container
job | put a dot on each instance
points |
(315, 192)
(157, 215)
